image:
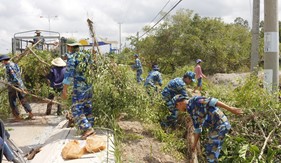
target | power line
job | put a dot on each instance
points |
(161, 18)
(159, 12)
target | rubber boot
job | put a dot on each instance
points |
(49, 109)
(59, 111)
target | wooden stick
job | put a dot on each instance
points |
(192, 155)
(38, 97)
(269, 135)
(275, 114)
(93, 35)
(266, 140)
(255, 119)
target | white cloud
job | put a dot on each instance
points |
(24, 15)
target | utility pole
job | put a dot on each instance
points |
(271, 46)
(120, 43)
(49, 19)
(138, 36)
(255, 35)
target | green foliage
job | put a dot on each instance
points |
(117, 91)
(132, 137)
(185, 37)
(4, 107)
(174, 145)
(34, 76)
(126, 57)
(249, 131)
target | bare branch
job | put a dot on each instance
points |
(22, 91)
(255, 119)
(266, 140)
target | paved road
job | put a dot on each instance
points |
(29, 133)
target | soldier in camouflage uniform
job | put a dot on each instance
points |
(152, 79)
(205, 113)
(13, 75)
(138, 67)
(77, 63)
(175, 87)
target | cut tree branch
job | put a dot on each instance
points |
(38, 97)
(255, 119)
(266, 140)
(38, 57)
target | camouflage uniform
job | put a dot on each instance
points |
(204, 113)
(82, 92)
(153, 78)
(14, 78)
(138, 67)
(174, 87)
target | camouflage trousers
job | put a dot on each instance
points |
(171, 120)
(139, 73)
(82, 110)
(216, 138)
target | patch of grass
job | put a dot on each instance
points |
(173, 144)
(132, 137)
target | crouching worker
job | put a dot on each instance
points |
(175, 87)
(205, 112)
(153, 78)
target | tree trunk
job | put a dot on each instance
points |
(191, 155)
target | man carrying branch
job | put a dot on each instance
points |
(82, 111)
(14, 78)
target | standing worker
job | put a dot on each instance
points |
(175, 87)
(55, 78)
(82, 111)
(199, 75)
(138, 67)
(14, 78)
(205, 113)
(153, 78)
(37, 38)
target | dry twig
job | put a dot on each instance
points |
(266, 140)
(255, 119)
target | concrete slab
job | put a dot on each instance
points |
(27, 134)
(50, 132)
(51, 152)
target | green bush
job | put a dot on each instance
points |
(262, 112)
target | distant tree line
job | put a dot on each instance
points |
(186, 36)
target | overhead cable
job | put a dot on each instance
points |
(161, 19)
(160, 11)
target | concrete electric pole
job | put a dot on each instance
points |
(49, 19)
(255, 35)
(120, 43)
(271, 46)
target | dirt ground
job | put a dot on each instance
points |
(144, 150)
